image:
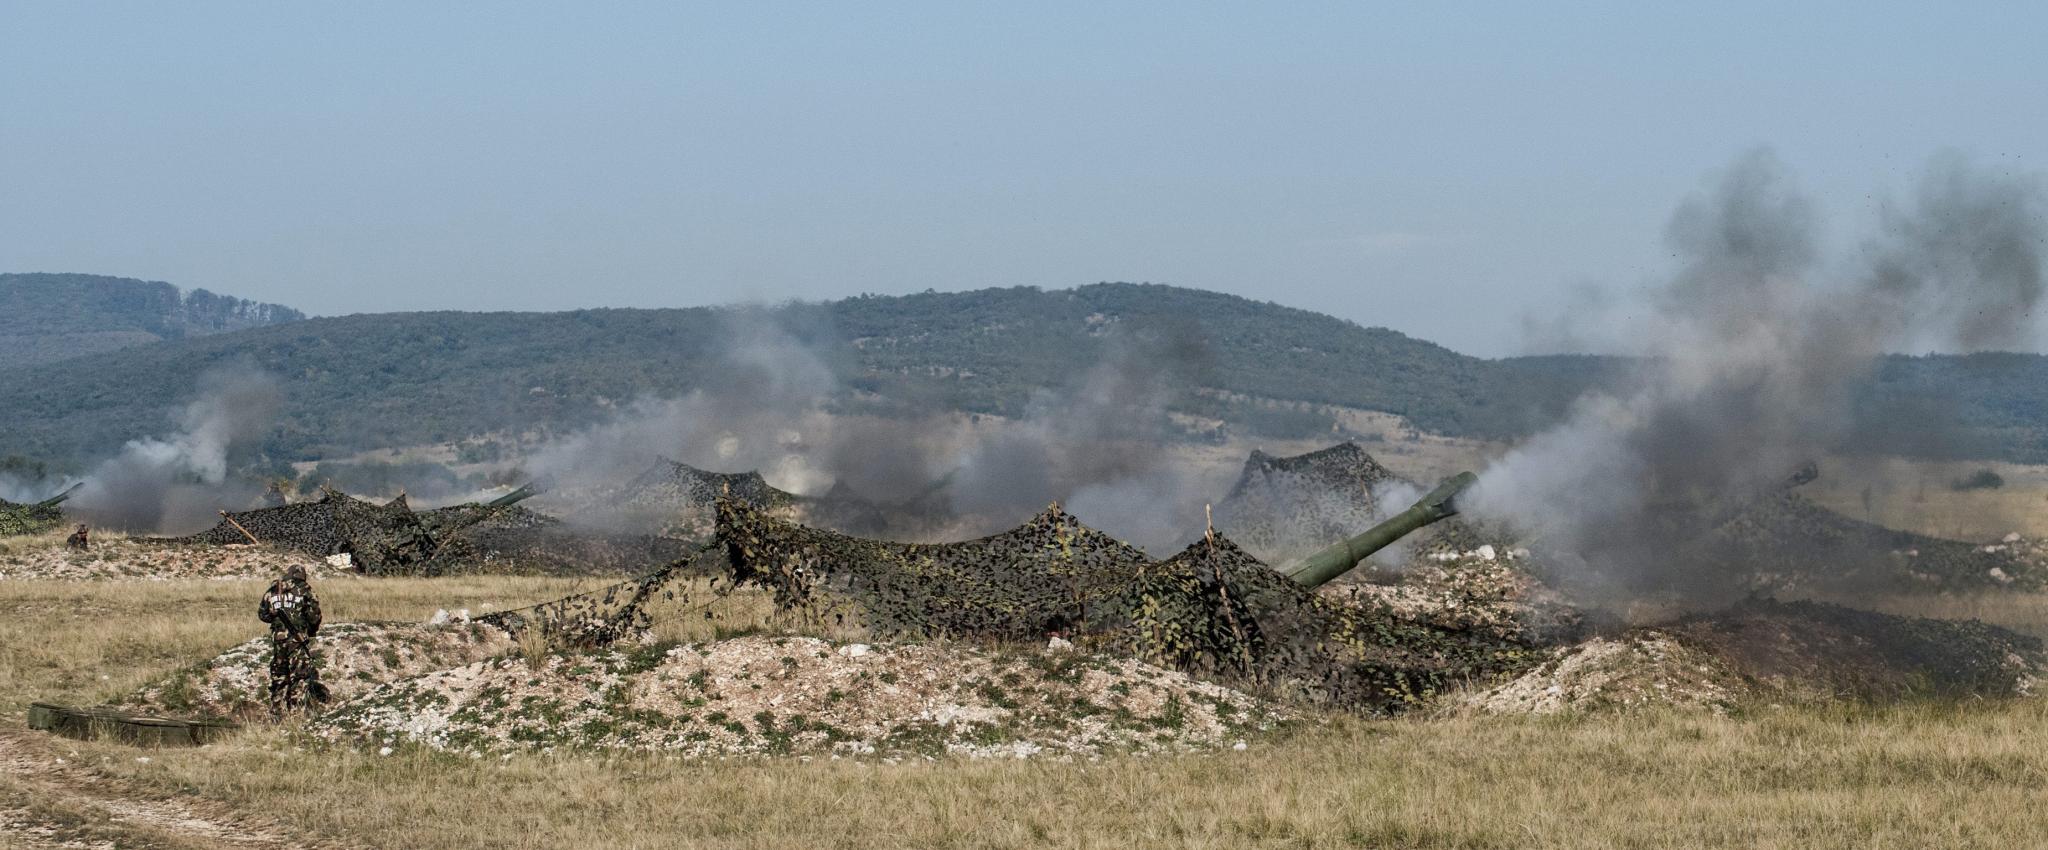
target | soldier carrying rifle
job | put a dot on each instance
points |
(294, 617)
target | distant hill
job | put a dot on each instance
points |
(381, 380)
(377, 380)
(49, 317)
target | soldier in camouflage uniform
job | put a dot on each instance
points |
(294, 617)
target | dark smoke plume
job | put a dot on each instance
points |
(1754, 351)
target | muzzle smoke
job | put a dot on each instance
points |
(1099, 445)
(176, 483)
(1754, 349)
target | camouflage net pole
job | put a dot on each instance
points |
(238, 527)
(608, 614)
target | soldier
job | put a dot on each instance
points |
(294, 617)
(79, 539)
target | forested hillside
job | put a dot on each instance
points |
(407, 378)
(50, 317)
(371, 381)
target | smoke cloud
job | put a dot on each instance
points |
(176, 483)
(1754, 348)
(1099, 445)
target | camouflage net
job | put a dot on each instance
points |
(1049, 575)
(471, 538)
(18, 519)
(1787, 542)
(1284, 508)
(683, 497)
(604, 616)
(1831, 651)
(675, 499)
(1212, 609)
(380, 538)
(392, 539)
(1215, 609)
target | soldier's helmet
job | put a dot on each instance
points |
(295, 572)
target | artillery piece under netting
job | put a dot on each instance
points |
(394, 539)
(1211, 609)
(18, 519)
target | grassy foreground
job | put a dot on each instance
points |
(1913, 776)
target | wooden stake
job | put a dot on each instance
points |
(238, 527)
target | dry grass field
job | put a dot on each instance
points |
(1908, 777)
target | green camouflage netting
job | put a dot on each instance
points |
(392, 539)
(1215, 609)
(380, 538)
(1212, 609)
(675, 499)
(1048, 575)
(608, 614)
(18, 519)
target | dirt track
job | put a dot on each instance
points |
(49, 800)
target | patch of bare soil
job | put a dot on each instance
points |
(122, 559)
(352, 659)
(49, 797)
(778, 696)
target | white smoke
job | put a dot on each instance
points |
(1099, 446)
(178, 482)
(761, 408)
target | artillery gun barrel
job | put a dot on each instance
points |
(1322, 567)
(58, 499)
(525, 491)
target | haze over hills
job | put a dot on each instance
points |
(380, 380)
(49, 317)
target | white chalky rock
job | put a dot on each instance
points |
(1486, 552)
(854, 650)
(341, 561)
(2013, 537)
(440, 618)
(1058, 644)
(383, 751)
(1999, 576)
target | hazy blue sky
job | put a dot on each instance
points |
(1441, 169)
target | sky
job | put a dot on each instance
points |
(1449, 170)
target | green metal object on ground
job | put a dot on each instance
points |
(1325, 566)
(90, 723)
